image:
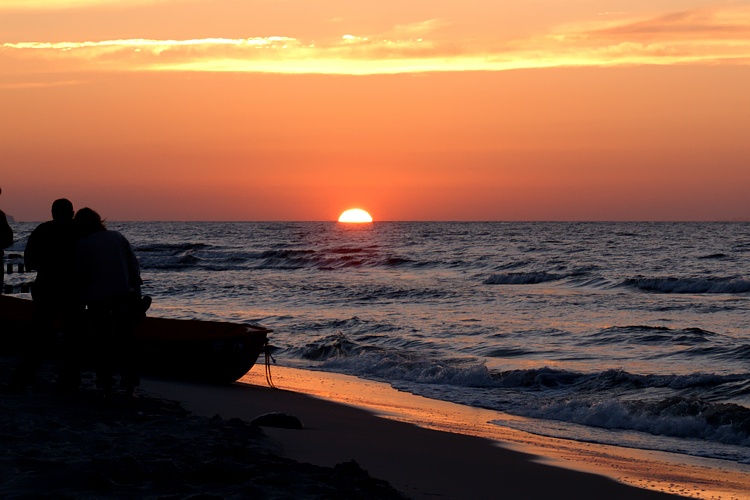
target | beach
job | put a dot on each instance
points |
(178, 440)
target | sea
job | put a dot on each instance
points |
(628, 333)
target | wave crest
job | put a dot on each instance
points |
(680, 417)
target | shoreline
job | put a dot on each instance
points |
(347, 418)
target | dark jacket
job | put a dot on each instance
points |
(50, 252)
(6, 233)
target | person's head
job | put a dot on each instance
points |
(62, 210)
(87, 221)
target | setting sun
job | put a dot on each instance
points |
(355, 215)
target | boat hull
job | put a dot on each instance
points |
(204, 351)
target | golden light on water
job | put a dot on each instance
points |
(355, 215)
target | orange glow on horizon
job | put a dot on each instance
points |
(356, 216)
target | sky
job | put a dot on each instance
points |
(295, 110)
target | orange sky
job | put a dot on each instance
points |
(416, 110)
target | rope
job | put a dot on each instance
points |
(269, 358)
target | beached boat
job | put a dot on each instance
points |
(207, 351)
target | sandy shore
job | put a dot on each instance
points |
(182, 440)
(452, 451)
(79, 445)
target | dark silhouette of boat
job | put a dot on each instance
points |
(205, 351)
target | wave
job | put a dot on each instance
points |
(507, 352)
(649, 335)
(530, 278)
(192, 256)
(678, 406)
(677, 416)
(583, 278)
(368, 360)
(186, 256)
(610, 380)
(741, 352)
(714, 256)
(689, 285)
(342, 353)
(169, 248)
(512, 265)
(721, 352)
(283, 259)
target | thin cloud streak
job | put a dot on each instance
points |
(701, 23)
(155, 45)
(701, 36)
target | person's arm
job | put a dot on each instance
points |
(134, 269)
(31, 252)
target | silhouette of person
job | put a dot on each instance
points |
(49, 251)
(6, 240)
(110, 286)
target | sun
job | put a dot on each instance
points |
(356, 215)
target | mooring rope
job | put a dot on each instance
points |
(269, 358)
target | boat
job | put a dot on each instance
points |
(214, 352)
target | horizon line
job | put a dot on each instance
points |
(442, 221)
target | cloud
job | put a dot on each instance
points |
(156, 46)
(709, 35)
(703, 36)
(275, 54)
(420, 28)
(701, 23)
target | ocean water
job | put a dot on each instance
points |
(635, 334)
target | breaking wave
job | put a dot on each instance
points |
(663, 405)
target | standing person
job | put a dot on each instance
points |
(110, 284)
(6, 240)
(49, 251)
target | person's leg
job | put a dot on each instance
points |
(36, 341)
(127, 314)
(102, 337)
(72, 346)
